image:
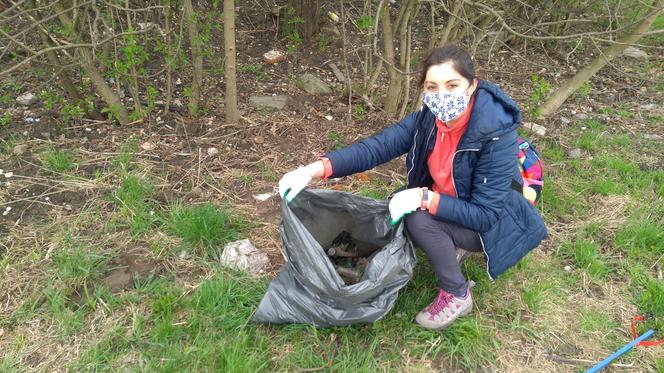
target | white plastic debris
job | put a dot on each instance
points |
(243, 255)
(536, 128)
(264, 196)
(9, 174)
(7, 210)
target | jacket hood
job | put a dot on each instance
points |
(494, 113)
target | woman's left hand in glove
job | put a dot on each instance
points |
(404, 203)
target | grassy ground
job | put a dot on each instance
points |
(572, 299)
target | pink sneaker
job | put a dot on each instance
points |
(444, 310)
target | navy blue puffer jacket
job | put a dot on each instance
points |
(484, 165)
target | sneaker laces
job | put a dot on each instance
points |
(442, 300)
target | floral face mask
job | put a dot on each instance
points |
(446, 106)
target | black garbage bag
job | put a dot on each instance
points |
(309, 289)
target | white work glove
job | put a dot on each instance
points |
(404, 203)
(293, 182)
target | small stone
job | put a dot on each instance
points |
(177, 102)
(244, 256)
(584, 128)
(68, 207)
(635, 53)
(568, 269)
(28, 120)
(328, 117)
(148, 146)
(7, 210)
(9, 174)
(88, 129)
(564, 120)
(212, 151)
(652, 137)
(649, 107)
(581, 116)
(20, 149)
(178, 81)
(259, 139)
(575, 153)
(26, 99)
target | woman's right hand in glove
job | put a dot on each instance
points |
(294, 181)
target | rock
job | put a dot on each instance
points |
(564, 120)
(581, 116)
(273, 56)
(652, 137)
(212, 151)
(634, 53)
(536, 128)
(243, 255)
(575, 153)
(147, 146)
(328, 117)
(568, 269)
(20, 149)
(313, 85)
(269, 102)
(649, 107)
(26, 99)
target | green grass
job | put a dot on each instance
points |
(125, 161)
(255, 69)
(587, 255)
(205, 226)
(7, 144)
(57, 161)
(135, 209)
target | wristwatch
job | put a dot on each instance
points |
(425, 198)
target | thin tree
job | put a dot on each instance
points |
(559, 96)
(232, 114)
(196, 57)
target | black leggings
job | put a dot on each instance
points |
(439, 240)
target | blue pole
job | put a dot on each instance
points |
(604, 363)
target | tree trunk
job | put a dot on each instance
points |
(558, 97)
(309, 11)
(55, 62)
(394, 87)
(196, 57)
(87, 64)
(232, 114)
(451, 22)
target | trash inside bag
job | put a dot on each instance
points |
(346, 262)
